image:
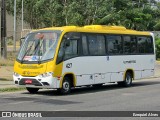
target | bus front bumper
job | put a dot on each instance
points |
(37, 82)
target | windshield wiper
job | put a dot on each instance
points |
(27, 51)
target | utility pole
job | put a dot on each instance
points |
(3, 30)
(14, 35)
(22, 15)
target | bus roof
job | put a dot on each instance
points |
(99, 29)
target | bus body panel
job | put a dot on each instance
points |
(33, 72)
(29, 69)
(103, 69)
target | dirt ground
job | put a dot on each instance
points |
(6, 72)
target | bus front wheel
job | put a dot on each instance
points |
(128, 80)
(32, 90)
(66, 86)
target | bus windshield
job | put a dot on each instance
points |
(39, 46)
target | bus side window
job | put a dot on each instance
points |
(149, 45)
(133, 45)
(92, 44)
(130, 46)
(114, 44)
(84, 45)
(71, 50)
(101, 45)
(127, 44)
(68, 50)
(96, 44)
(141, 44)
(145, 45)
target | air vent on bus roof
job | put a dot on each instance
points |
(104, 27)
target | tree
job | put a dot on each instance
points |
(49, 13)
(39, 13)
(136, 14)
(157, 17)
(157, 47)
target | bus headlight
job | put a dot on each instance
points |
(47, 74)
(16, 74)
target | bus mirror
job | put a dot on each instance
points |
(22, 40)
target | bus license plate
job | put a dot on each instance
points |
(28, 81)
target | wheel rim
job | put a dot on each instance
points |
(128, 79)
(66, 86)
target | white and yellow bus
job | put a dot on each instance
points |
(65, 57)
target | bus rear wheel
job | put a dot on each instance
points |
(128, 80)
(66, 86)
(32, 90)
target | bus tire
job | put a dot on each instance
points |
(128, 80)
(32, 90)
(66, 86)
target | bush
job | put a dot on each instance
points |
(157, 48)
(157, 26)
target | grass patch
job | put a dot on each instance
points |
(5, 79)
(11, 89)
(10, 59)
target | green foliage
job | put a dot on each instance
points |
(157, 26)
(157, 47)
(11, 89)
(134, 14)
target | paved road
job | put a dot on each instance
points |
(143, 96)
